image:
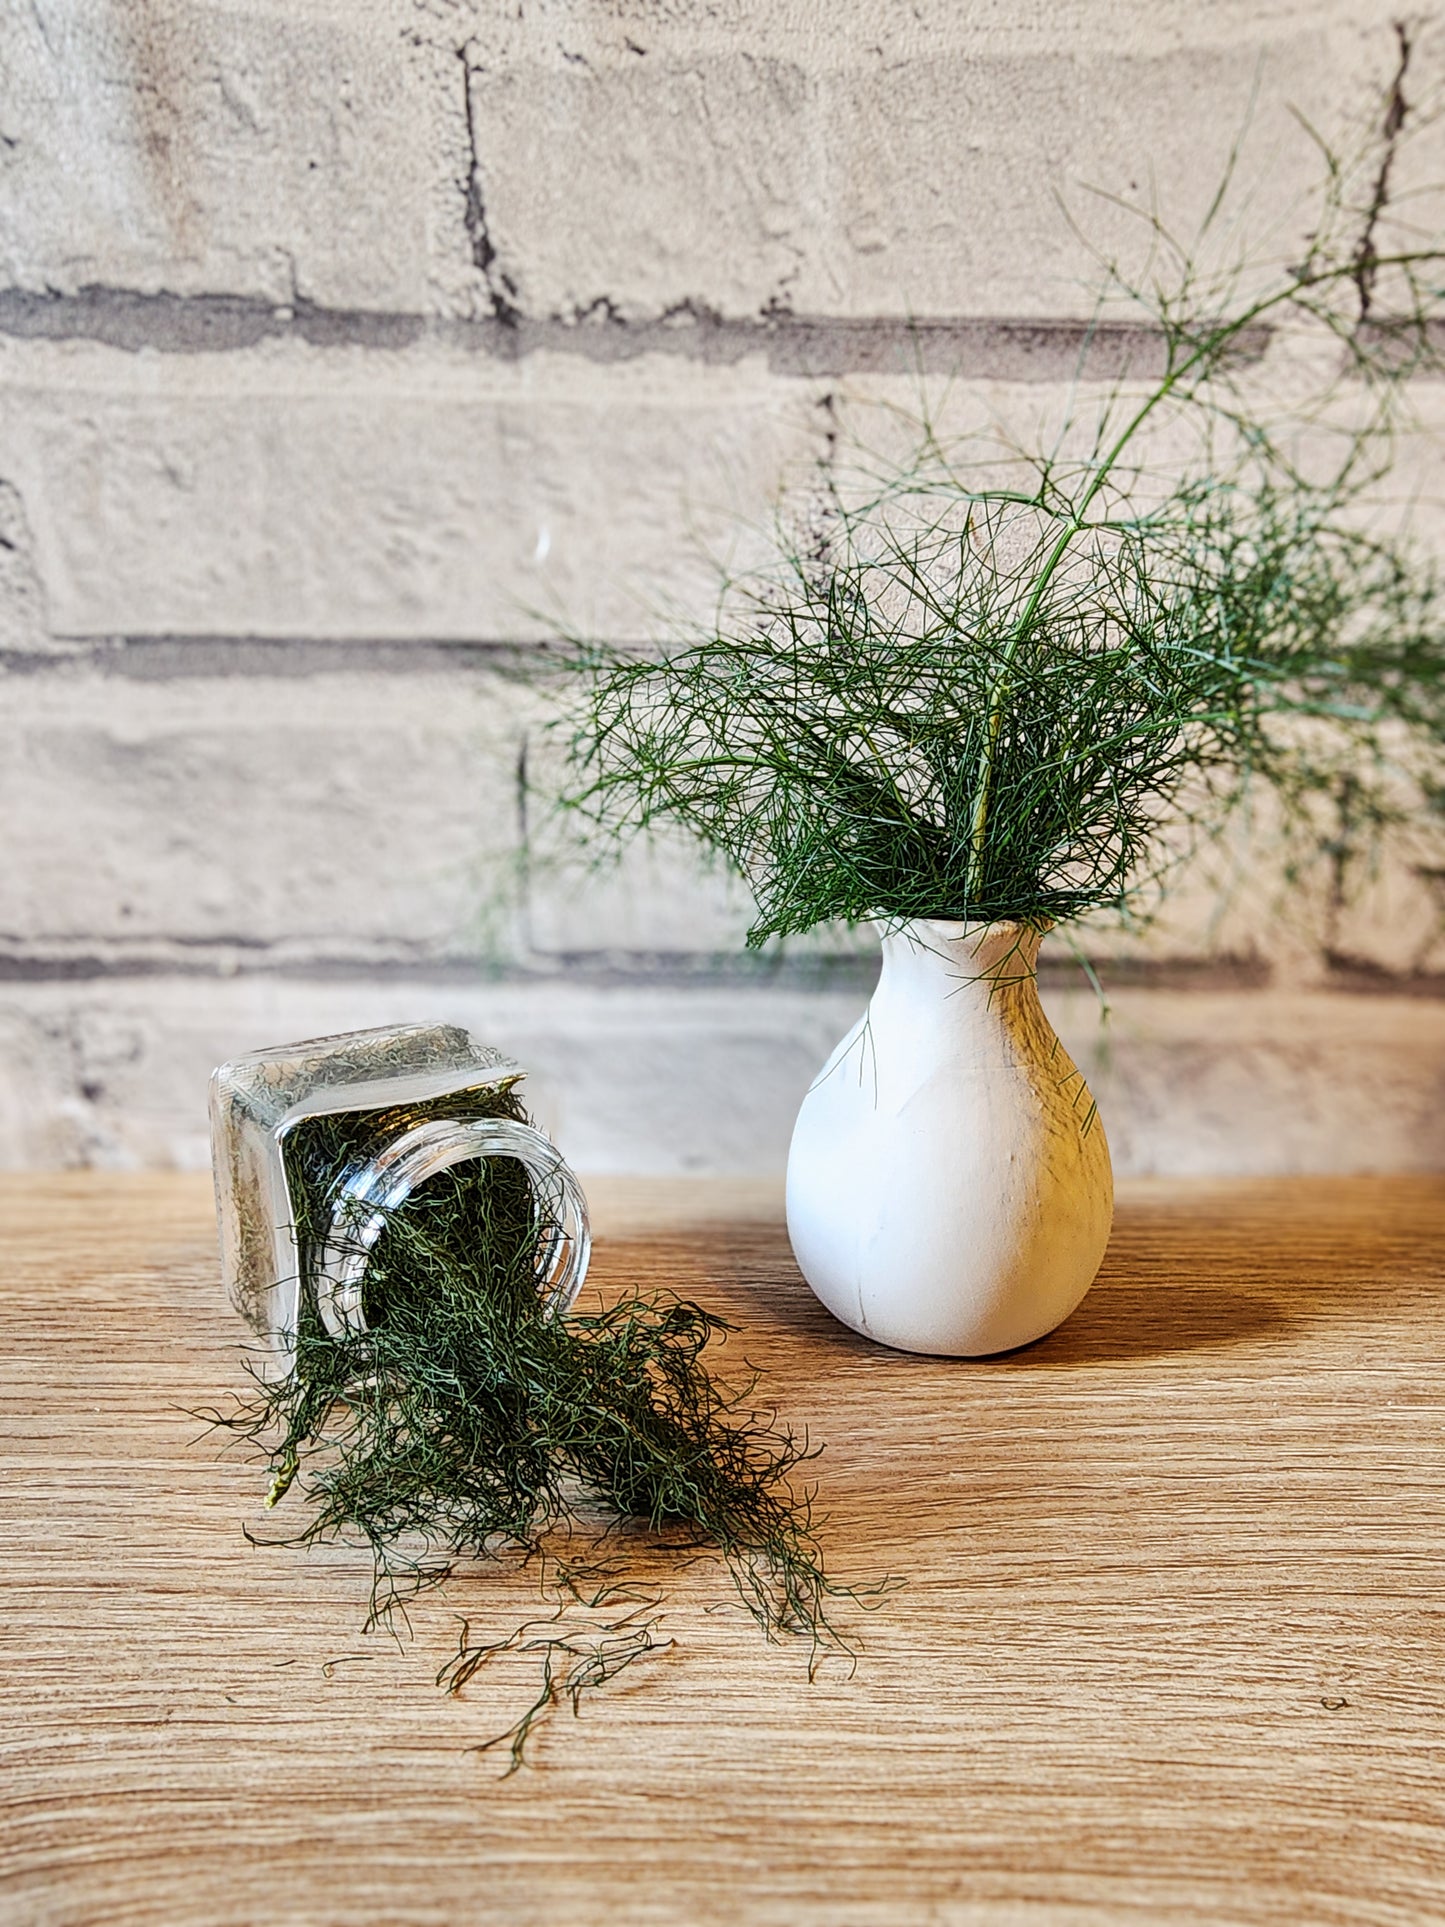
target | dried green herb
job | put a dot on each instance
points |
(465, 1423)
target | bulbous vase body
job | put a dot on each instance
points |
(949, 1185)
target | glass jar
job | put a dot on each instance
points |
(391, 1108)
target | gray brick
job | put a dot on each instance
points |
(271, 151)
(572, 160)
(862, 163)
(352, 815)
(278, 493)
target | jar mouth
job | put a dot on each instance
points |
(377, 1187)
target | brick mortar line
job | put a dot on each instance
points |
(233, 957)
(167, 658)
(221, 958)
(645, 971)
(821, 346)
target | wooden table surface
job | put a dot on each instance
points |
(1172, 1647)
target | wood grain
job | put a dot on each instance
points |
(1173, 1646)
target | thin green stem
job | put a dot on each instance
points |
(1204, 353)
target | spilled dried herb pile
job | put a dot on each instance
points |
(466, 1423)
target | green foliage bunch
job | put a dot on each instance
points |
(994, 682)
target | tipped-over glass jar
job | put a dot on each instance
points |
(388, 1108)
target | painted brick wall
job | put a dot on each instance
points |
(348, 346)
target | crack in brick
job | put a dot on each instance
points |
(600, 309)
(1397, 109)
(828, 407)
(689, 309)
(42, 27)
(501, 288)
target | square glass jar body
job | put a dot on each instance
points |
(374, 1080)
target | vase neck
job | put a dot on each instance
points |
(950, 988)
(995, 957)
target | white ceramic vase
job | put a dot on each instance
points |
(949, 1186)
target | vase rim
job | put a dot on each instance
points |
(953, 928)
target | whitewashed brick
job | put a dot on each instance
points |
(340, 815)
(843, 159)
(431, 493)
(1276, 1082)
(660, 899)
(900, 161)
(281, 152)
(24, 626)
(277, 493)
(46, 1121)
